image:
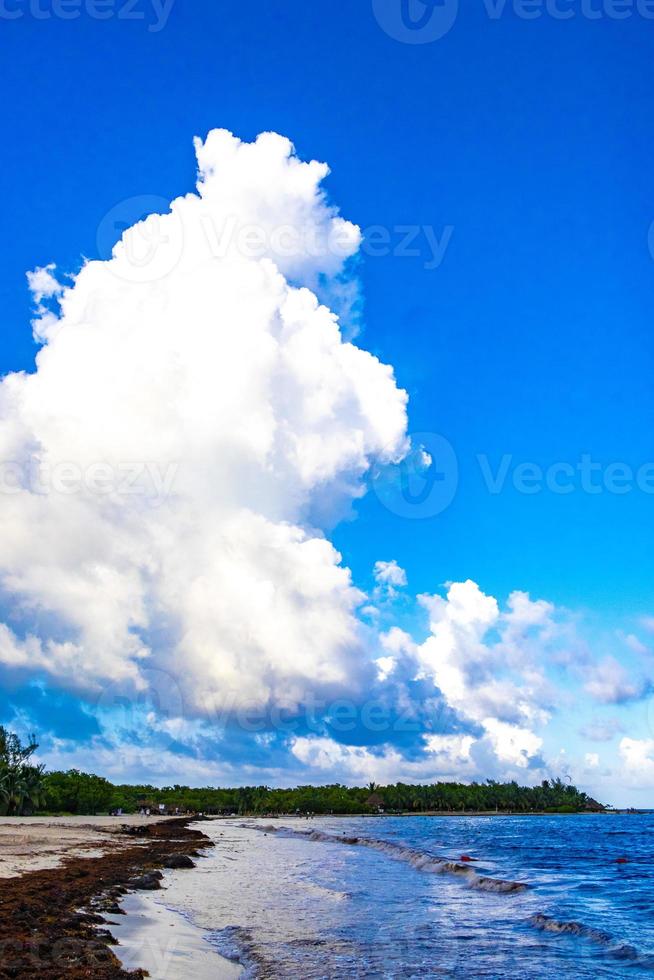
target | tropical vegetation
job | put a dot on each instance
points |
(26, 788)
(553, 795)
(22, 786)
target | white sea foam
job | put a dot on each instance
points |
(321, 890)
(420, 860)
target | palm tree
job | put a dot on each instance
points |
(34, 784)
(21, 785)
(12, 791)
(4, 792)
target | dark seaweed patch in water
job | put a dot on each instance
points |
(499, 885)
(547, 924)
(621, 952)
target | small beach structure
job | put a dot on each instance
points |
(144, 805)
(375, 802)
(592, 806)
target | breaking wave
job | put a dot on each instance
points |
(420, 860)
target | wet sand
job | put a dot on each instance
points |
(164, 943)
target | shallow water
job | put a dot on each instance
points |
(291, 898)
(154, 938)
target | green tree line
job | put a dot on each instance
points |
(26, 788)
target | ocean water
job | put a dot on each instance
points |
(545, 896)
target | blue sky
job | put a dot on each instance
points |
(522, 146)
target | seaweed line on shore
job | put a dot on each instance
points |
(51, 920)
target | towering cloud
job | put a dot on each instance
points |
(194, 421)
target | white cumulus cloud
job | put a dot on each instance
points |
(637, 757)
(194, 421)
(483, 660)
(446, 756)
(389, 573)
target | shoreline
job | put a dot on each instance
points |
(92, 910)
(432, 813)
(57, 921)
(153, 937)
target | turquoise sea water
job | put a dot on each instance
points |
(391, 897)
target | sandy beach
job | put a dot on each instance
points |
(68, 878)
(36, 843)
